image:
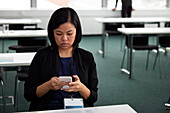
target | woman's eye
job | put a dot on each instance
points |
(69, 33)
(58, 34)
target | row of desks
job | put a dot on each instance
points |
(139, 20)
(130, 32)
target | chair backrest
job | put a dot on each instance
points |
(137, 40)
(167, 24)
(1, 77)
(31, 41)
(41, 41)
(16, 27)
(112, 28)
(164, 41)
(30, 44)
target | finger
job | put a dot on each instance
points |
(73, 83)
(76, 77)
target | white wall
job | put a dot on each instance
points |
(87, 17)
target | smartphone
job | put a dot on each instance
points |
(65, 78)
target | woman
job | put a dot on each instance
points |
(62, 58)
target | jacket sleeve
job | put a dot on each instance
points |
(92, 81)
(32, 81)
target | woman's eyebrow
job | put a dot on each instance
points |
(58, 31)
(69, 30)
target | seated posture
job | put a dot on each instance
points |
(43, 88)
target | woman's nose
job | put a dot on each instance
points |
(64, 37)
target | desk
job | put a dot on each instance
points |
(15, 59)
(142, 20)
(125, 108)
(130, 32)
(20, 21)
(20, 34)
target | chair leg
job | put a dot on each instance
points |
(166, 62)
(155, 59)
(124, 54)
(16, 93)
(159, 64)
(106, 43)
(147, 60)
(3, 97)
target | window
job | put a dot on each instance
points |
(76, 4)
(15, 4)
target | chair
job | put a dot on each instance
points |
(164, 45)
(20, 77)
(166, 59)
(167, 104)
(2, 92)
(139, 43)
(16, 26)
(29, 44)
(112, 28)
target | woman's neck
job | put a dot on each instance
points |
(65, 52)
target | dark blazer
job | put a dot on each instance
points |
(44, 67)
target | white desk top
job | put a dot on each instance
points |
(20, 21)
(16, 59)
(103, 109)
(24, 33)
(144, 30)
(133, 20)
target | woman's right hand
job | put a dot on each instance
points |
(55, 84)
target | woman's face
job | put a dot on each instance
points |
(65, 35)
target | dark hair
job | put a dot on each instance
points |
(61, 16)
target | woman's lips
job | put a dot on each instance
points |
(64, 44)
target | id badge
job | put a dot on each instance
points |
(73, 103)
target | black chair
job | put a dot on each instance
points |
(140, 43)
(167, 104)
(29, 44)
(16, 26)
(2, 93)
(164, 45)
(20, 77)
(112, 28)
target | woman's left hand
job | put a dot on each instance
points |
(77, 86)
(74, 86)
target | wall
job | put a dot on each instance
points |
(87, 17)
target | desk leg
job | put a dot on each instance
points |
(128, 70)
(2, 45)
(130, 57)
(102, 51)
(103, 45)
